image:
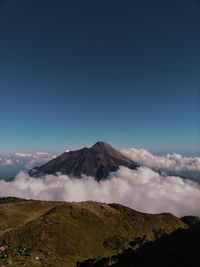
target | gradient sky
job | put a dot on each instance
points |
(74, 72)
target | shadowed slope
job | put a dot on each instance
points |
(181, 248)
(190, 220)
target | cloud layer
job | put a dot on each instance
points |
(28, 160)
(174, 163)
(144, 190)
(11, 164)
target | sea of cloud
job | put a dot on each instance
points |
(11, 164)
(143, 189)
(173, 164)
(154, 187)
(27, 160)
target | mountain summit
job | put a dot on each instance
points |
(97, 161)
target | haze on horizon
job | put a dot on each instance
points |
(75, 72)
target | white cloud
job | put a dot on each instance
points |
(8, 162)
(172, 163)
(26, 160)
(38, 159)
(5, 162)
(144, 190)
(23, 155)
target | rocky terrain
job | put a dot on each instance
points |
(97, 161)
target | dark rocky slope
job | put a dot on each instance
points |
(190, 220)
(97, 161)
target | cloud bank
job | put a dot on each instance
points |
(26, 159)
(11, 164)
(144, 190)
(5, 162)
(174, 163)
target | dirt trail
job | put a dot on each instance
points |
(33, 217)
(5, 231)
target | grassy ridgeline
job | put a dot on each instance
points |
(63, 233)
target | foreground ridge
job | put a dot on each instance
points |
(62, 233)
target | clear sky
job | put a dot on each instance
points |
(74, 72)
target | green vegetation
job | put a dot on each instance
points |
(60, 233)
(180, 248)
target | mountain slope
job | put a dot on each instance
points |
(190, 220)
(64, 233)
(181, 248)
(97, 161)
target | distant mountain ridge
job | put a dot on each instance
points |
(97, 161)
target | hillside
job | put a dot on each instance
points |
(181, 248)
(190, 220)
(60, 234)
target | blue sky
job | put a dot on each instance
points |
(74, 72)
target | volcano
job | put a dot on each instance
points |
(97, 161)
